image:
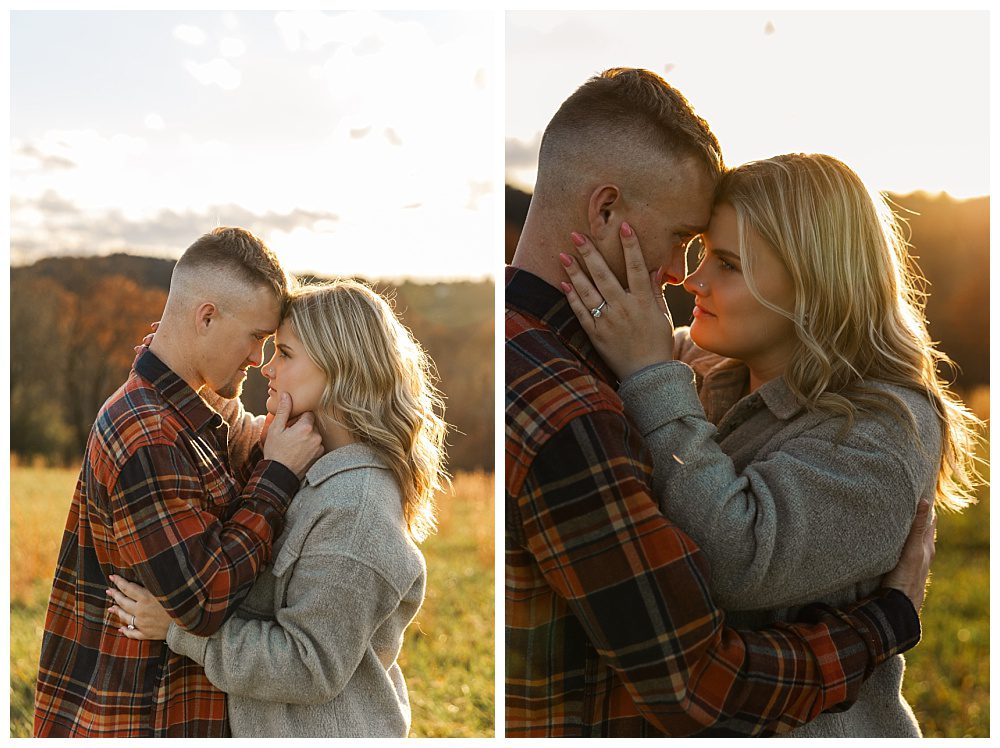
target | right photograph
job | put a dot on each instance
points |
(747, 374)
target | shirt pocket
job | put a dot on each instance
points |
(285, 559)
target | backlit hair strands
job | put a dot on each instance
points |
(859, 300)
(379, 386)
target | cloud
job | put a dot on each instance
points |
(232, 47)
(51, 224)
(521, 155)
(190, 35)
(154, 121)
(218, 72)
(31, 157)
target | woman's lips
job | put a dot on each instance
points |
(700, 312)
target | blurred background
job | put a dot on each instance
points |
(355, 144)
(903, 99)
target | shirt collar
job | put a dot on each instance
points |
(176, 392)
(725, 380)
(528, 294)
(779, 398)
(348, 457)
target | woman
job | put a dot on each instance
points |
(312, 650)
(822, 420)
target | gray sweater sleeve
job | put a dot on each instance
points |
(809, 519)
(312, 648)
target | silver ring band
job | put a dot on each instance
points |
(131, 626)
(596, 311)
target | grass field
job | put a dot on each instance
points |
(448, 654)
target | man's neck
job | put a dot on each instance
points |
(542, 239)
(165, 348)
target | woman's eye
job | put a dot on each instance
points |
(725, 265)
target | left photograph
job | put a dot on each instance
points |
(251, 405)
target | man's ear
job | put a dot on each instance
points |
(205, 316)
(602, 210)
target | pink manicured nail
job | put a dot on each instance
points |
(566, 287)
(578, 239)
(565, 259)
(626, 229)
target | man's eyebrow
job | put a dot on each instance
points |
(265, 333)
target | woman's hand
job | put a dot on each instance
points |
(141, 348)
(633, 328)
(136, 606)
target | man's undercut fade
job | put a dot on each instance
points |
(241, 254)
(627, 104)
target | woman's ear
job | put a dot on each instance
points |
(603, 211)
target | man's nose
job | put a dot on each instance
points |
(676, 267)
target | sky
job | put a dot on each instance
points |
(900, 96)
(353, 143)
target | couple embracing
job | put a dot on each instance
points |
(224, 573)
(779, 459)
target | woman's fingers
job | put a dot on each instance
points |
(132, 633)
(134, 591)
(123, 617)
(607, 285)
(635, 264)
(123, 601)
(587, 294)
(581, 311)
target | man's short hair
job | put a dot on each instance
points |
(635, 103)
(244, 255)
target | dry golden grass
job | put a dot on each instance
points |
(448, 655)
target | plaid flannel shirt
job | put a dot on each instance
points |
(610, 627)
(162, 501)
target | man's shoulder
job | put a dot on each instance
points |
(136, 415)
(547, 388)
(543, 373)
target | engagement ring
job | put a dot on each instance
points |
(596, 311)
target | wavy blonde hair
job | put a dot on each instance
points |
(859, 300)
(379, 386)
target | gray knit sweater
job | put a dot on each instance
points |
(786, 513)
(312, 650)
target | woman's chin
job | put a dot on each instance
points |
(271, 406)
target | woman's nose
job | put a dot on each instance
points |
(693, 284)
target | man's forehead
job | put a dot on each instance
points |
(260, 311)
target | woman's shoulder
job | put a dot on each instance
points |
(352, 507)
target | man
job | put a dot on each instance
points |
(611, 630)
(171, 497)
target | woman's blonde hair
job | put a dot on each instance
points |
(379, 386)
(859, 300)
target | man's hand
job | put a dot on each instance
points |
(297, 446)
(910, 574)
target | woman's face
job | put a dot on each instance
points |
(291, 370)
(728, 320)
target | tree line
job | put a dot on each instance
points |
(74, 322)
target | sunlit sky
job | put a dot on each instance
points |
(900, 96)
(352, 142)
